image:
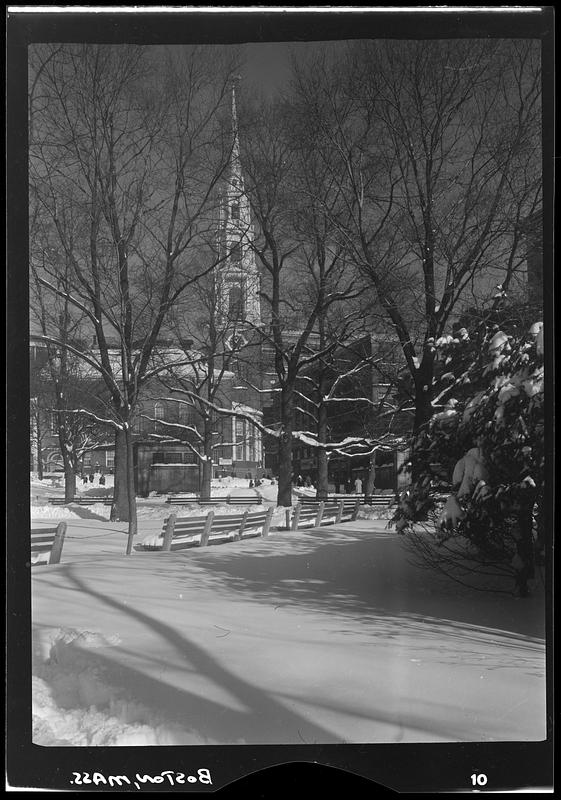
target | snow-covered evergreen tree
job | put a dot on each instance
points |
(477, 507)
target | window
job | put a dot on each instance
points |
(236, 253)
(159, 410)
(171, 457)
(252, 455)
(235, 211)
(110, 460)
(235, 303)
(186, 414)
(239, 439)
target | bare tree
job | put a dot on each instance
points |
(305, 273)
(439, 145)
(203, 380)
(124, 162)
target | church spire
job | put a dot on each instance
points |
(235, 163)
(238, 275)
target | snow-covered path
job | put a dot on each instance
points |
(309, 637)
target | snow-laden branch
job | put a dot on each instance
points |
(179, 425)
(96, 365)
(84, 411)
(70, 298)
(364, 444)
(343, 376)
(227, 412)
(453, 385)
(174, 439)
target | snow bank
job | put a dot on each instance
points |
(75, 704)
(52, 512)
(191, 647)
(375, 512)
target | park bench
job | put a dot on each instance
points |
(44, 540)
(179, 533)
(230, 499)
(82, 501)
(247, 500)
(311, 512)
(382, 500)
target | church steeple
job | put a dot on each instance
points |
(239, 279)
(235, 163)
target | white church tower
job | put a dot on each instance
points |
(239, 281)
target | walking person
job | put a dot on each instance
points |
(358, 486)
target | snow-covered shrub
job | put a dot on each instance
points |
(490, 447)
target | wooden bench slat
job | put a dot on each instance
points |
(42, 548)
(44, 540)
(182, 532)
(196, 523)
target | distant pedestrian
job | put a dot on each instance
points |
(91, 477)
(358, 486)
(308, 482)
(348, 486)
(102, 480)
(299, 481)
(251, 483)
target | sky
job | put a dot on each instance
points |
(268, 64)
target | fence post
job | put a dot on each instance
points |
(239, 534)
(56, 551)
(267, 523)
(319, 515)
(340, 508)
(296, 516)
(168, 533)
(206, 530)
(355, 510)
(287, 515)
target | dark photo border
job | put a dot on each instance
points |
(247, 770)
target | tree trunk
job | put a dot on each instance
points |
(285, 449)
(67, 462)
(323, 477)
(285, 470)
(131, 494)
(206, 474)
(423, 404)
(69, 478)
(371, 479)
(525, 570)
(120, 507)
(322, 487)
(39, 435)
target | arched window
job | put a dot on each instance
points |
(236, 253)
(159, 410)
(235, 303)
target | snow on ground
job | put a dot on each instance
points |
(320, 636)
